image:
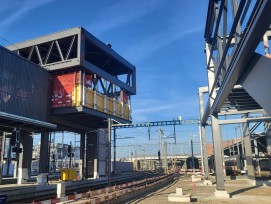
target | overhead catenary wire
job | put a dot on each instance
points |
(10, 43)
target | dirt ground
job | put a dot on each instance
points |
(240, 192)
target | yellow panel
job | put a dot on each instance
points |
(100, 102)
(126, 112)
(68, 174)
(110, 106)
(64, 174)
(78, 95)
(74, 97)
(118, 109)
(72, 174)
(89, 98)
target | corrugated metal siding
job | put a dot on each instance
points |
(23, 86)
(102, 152)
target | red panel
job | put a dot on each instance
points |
(62, 95)
(64, 79)
(88, 80)
(124, 97)
(63, 88)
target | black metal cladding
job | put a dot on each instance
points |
(23, 86)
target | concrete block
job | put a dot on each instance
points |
(173, 197)
(78, 196)
(179, 191)
(42, 179)
(195, 179)
(61, 190)
(63, 199)
(207, 182)
(222, 194)
(252, 182)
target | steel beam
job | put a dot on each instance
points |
(220, 185)
(109, 151)
(108, 77)
(244, 120)
(82, 37)
(88, 111)
(237, 112)
(29, 121)
(158, 123)
(59, 65)
(210, 21)
(203, 137)
(248, 152)
(223, 54)
(216, 134)
(251, 37)
(107, 49)
(70, 125)
(45, 38)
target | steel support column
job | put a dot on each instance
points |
(216, 134)
(114, 131)
(82, 164)
(217, 153)
(203, 138)
(248, 151)
(2, 152)
(109, 151)
(25, 158)
(92, 154)
(44, 157)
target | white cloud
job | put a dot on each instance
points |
(155, 109)
(143, 110)
(122, 13)
(21, 9)
(149, 45)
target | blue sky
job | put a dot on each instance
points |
(162, 38)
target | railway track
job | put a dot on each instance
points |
(28, 194)
(120, 193)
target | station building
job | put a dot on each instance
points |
(65, 81)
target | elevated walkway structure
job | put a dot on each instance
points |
(237, 75)
(89, 85)
(90, 81)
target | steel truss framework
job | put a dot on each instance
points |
(76, 49)
(227, 53)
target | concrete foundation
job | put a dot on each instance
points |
(173, 197)
(179, 196)
(61, 190)
(195, 179)
(259, 182)
(222, 194)
(207, 182)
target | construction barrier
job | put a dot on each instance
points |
(67, 174)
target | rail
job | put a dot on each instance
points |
(24, 194)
